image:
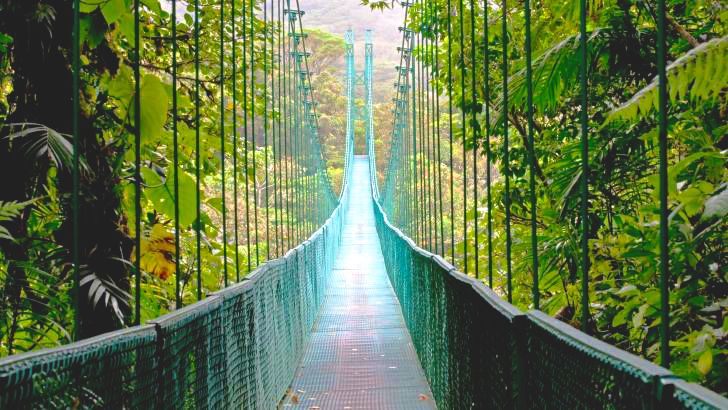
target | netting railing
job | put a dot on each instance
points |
(237, 348)
(479, 351)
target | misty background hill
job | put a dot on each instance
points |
(336, 17)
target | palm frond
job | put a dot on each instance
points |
(40, 141)
(8, 211)
(699, 75)
(554, 71)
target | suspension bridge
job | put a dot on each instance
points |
(348, 299)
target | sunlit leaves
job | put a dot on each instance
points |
(112, 10)
(161, 193)
(158, 252)
(9, 211)
(698, 75)
(154, 105)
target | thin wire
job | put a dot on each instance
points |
(246, 139)
(252, 128)
(235, 142)
(137, 171)
(76, 58)
(279, 187)
(177, 294)
(414, 149)
(664, 221)
(584, 173)
(222, 140)
(423, 138)
(475, 137)
(265, 127)
(450, 127)
(431, 113)
(437, 126)
(430, 135)
(198, 180)
(287, 131)
(461, 12)
(506, 154)
(532, 155)
(488, 152)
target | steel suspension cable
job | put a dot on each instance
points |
(175, 161)
(461, 17)
(222, 140)
(278, 177)
(235, 141)
(663, 183)
(428, 130)
(265, 128)
(137, 170)
(76, 86)
(246, 137)
(488, 153)
(584, 209)
(253, 131)
(287, 132)
(476, 134)
(417, 213)
(531, 154)
(450, 128)
(437, 127)
(198, 180)
(506, 152)
(431, 126)
(423, 137)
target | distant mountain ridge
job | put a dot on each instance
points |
(338, 16)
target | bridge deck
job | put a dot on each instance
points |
(360, 354)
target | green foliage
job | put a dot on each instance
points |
(699, 75)
(623, 215)
(8, 212)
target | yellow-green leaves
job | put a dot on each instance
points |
(705, 362)
(112, 10)
(154, 106)
(699, 75)
(89, 6)
(161, 193)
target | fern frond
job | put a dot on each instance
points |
(10, 210)
(554, 71)
(699, 75)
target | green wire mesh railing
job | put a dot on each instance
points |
(478, 350)
(239, 347)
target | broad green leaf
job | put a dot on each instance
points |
(121, 86)
(154, 105)
(88, 6)
(153, 5)
(126, 25)
(113, 9)
(692, 200)
(161, 193)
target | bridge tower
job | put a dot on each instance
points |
(369, 109)
(350, 85)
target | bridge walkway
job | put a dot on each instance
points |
(360, 354)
